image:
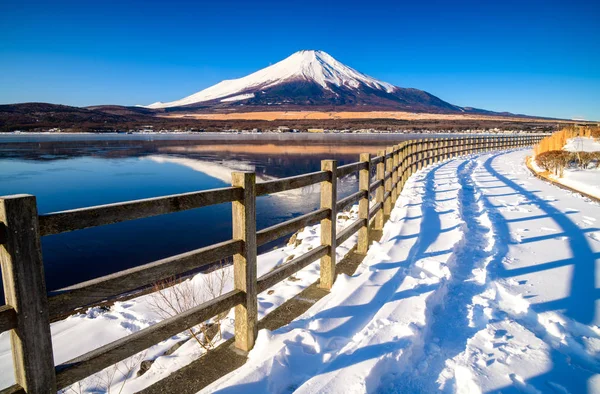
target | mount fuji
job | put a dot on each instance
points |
(309, 79)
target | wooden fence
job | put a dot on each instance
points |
(29, 308)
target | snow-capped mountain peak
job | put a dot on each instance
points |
(316, 67)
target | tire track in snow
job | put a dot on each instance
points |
(452, 319)
(561, 337)
(367, 323)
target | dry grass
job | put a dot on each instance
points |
(558, 140)
(324, 115)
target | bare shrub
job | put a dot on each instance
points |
(216, 284)
(584, 159)
(127, 366)
(554, 161)
(174, 296)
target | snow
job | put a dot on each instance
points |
(582, 144)
(96, 327)
(314, 66)
(587, 181)
(238, 97)
(584, 180)
(485, 280)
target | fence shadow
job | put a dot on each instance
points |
(578, 306)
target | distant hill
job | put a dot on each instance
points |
(43, 115)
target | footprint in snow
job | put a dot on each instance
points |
(132, 327)
(595, 236)
(589, 218)
(548, 229)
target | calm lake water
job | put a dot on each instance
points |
(72, 171)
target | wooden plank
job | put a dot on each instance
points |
(387, 200)
(8, 318)
(14, 389)
(364, 180)
(107, 355)
(244, 263)
(293, 182)
(77, 219)
(395, 164)
(328, 225)
(279, 230)
(375, 208)
(349, 231)
(25, 291)
(386, 195)
(349, 169)
(375, 185)
(2, 233)
(380, 174)
(378, 159)
(87, 293)
(349, 201)
(286, 270)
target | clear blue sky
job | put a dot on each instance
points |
(533, 57)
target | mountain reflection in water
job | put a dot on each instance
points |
(75, 172)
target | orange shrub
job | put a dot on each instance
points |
(555, 161)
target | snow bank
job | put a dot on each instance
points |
(582, 144)
(587, 181)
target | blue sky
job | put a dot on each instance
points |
(532, 57)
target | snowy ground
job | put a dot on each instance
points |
(485, 280)
(84, 332)
(582, 144)
(585, 180)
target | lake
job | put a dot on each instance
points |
(72, 171)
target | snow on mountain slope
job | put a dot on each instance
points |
(312, 66)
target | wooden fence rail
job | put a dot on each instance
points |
(29, 308)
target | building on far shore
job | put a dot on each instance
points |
(315, 130)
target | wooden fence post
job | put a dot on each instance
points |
(25, 291)
(244, 264)
(328, 225)
(404, 160)
(387, 204)
(413, 158)
(395, 163)
(446, 148)
(401, 168)
(419, 155)
(364, 181)
(379, 192)
(428, 152)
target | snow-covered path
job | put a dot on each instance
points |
(485, 280)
